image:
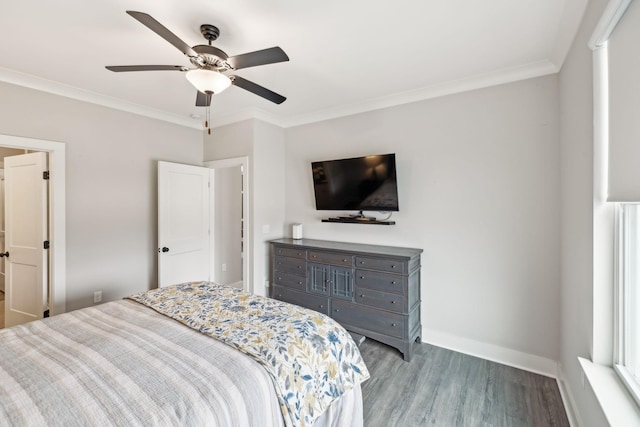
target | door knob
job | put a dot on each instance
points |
(164, 249)
(6, 254)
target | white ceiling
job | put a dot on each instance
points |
(345, 56)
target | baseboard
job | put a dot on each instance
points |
(567, 399)
(494, 353)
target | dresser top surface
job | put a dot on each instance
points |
(349, 247)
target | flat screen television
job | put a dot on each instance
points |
(357, 184)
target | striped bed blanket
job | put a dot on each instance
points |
(122, 363)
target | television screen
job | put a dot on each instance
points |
(356, 184)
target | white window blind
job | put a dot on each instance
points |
(624, 107)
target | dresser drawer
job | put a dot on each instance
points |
(382, 264)
(291, 265)
(291, 296)
(291, 252)
(383, 300)
(350, 314)
(380, 281)
(331, 258)
(290, 280)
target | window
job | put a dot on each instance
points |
(627, 353)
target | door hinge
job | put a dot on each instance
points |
(45, 175)
(46, 313)
(46, 244)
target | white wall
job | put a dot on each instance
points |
(577, 163)
(111, 204)
(268, 162)
(478, 177)
(264, 144)
(226, 142)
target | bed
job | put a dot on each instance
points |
(191, 354)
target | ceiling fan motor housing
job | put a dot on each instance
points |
(209, 32)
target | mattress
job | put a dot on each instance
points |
(122, 363)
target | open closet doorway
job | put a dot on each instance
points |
(54, 218)
(229, 217)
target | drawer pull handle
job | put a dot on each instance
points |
(299, 283)
(299, 253)
(393, 302)
(279, 263)
(279, 295)
(313, 256)
(393, 266)
(393, 324)
(337, 310)
(393, 283)
(299, 266)
(328, 281)
(361, 262)
(361, 295)
(321, 306)
(345, 260)
(362, 277)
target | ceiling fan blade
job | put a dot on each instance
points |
(258, 90)
(259, 57)
(203, 99)
(163, 32)
(120, 68)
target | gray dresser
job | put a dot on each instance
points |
(370, 290)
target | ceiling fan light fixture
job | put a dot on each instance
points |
(208, 81)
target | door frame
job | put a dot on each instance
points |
(57, 226)
(247, 284)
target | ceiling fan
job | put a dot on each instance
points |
(210, 63)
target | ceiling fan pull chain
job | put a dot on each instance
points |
(206, 123)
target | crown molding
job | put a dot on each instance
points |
(572, 14)
(56, 88)
(508, 75)
(247, 114)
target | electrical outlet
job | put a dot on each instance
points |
(266, 283)
(97, 296)
(224, 267)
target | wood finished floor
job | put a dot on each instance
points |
(444, 388)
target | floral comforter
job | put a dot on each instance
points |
(311, 359)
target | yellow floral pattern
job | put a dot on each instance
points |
(311, 359)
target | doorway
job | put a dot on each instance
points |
(230, 251)
(57, 248)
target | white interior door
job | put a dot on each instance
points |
(26, 266)
(183, 223)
